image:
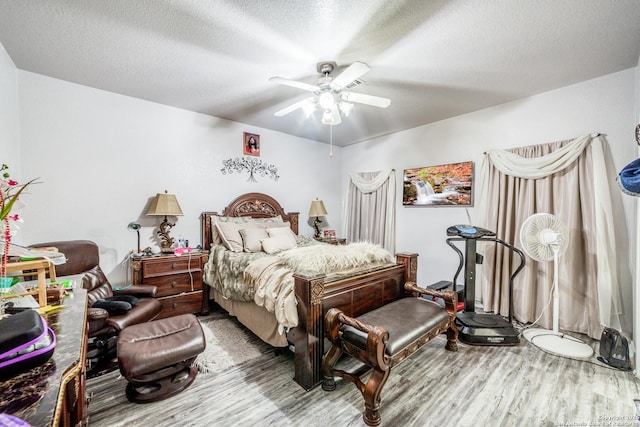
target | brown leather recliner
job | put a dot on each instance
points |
(83, 257)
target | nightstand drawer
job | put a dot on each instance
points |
(180, 304)
(335, 241)
(176, 283)
(164, 266)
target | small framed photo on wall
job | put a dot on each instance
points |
(251, 144)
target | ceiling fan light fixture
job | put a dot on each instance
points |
(327, 117)
(326, 101)
(308, 108)
(346, 108)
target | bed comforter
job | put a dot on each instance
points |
(267, 280)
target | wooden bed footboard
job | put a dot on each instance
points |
(354, 296)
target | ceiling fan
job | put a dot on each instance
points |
(333, 95)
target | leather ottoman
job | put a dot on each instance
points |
(157, 357)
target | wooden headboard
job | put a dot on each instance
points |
(255, 205)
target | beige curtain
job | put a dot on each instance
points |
(369, 213)
(567, 179)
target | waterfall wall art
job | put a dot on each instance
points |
(440, 185)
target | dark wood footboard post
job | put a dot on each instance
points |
(410, 262)
(308, 336)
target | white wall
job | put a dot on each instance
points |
(604, 105)
(9, 135)
(101, 157)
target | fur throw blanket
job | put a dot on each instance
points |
(324, 259)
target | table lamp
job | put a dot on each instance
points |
(165, 204)
(317, 210)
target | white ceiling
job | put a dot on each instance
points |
(433, 59)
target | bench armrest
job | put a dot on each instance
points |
(449, 297)
(377, 336)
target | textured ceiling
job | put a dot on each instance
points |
(433, 59)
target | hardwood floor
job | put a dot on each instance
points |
(477, 386)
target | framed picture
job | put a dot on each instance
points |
(330, 234)
(440, 185)
(251, 144)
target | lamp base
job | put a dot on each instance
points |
(316, 225)
(166, 246)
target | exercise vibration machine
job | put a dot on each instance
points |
(481, 328)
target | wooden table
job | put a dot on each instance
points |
(41, 266)
(53, 394)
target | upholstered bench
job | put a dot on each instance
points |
(157, 357)
(383, 338)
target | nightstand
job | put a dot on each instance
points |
(179, 281)
(337, 241)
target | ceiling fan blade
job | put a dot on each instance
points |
(294, 83)
(292, 107)
(351, 73)
(361, 98)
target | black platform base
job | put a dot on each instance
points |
(486, 329)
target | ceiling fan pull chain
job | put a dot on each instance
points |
(330, 140)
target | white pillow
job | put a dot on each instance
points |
(215, 236)
(277, 244)
(230, 235)
(252, 239)
(282, 231)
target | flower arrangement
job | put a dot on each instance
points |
(10, 191)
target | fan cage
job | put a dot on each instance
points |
(533, 242)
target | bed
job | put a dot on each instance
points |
(299, 320)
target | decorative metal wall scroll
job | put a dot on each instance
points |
(251, 165)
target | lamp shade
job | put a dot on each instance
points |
(165, 204)
(317, 208)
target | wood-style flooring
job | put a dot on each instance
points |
(477, 386)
